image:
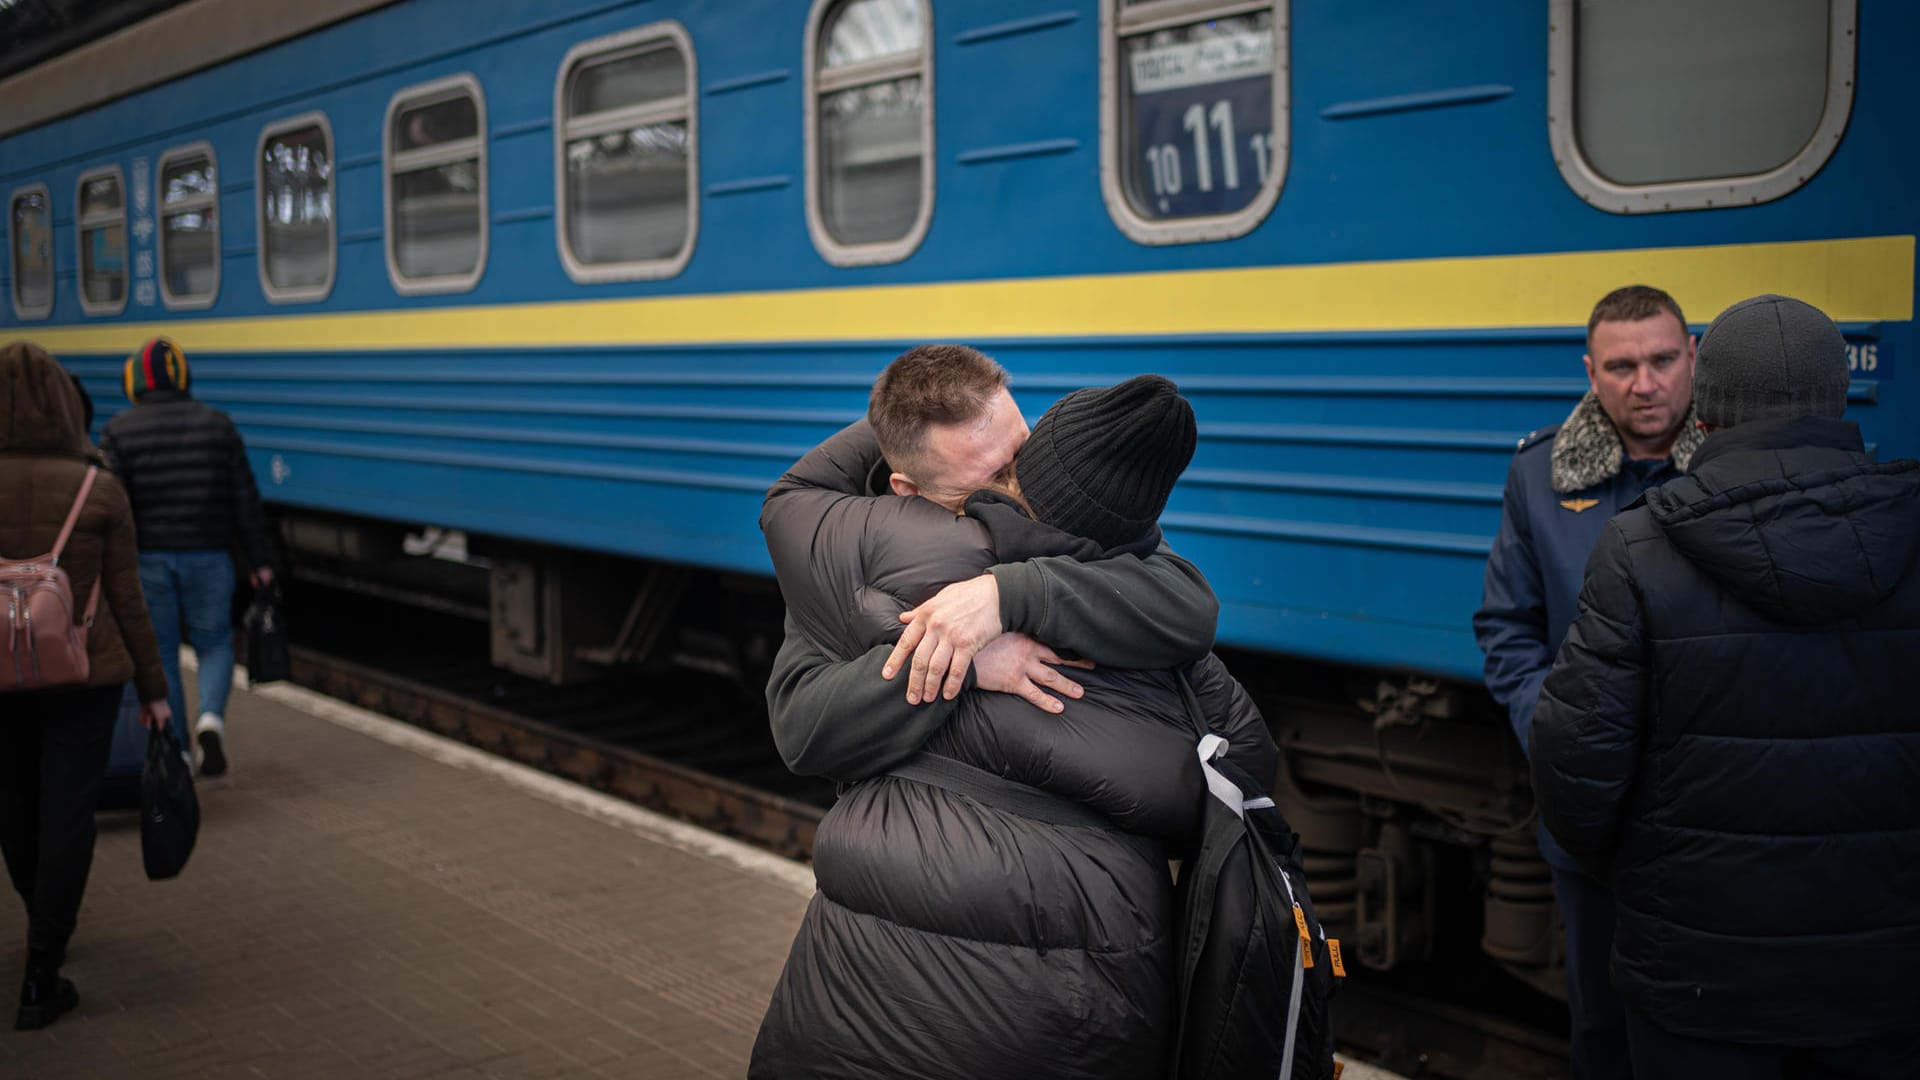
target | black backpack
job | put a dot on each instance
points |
(1255, 973)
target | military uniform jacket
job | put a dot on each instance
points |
(1565, 482)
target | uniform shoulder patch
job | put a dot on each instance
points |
(1537, 438)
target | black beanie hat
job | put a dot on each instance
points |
(1770, 358)
(1101, 462)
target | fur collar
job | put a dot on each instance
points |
(1587, 450)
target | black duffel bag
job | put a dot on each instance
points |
(267, 656)
(169, 811)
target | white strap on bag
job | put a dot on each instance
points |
(1293, 1006)
(1219, 786)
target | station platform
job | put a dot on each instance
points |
(370, 900)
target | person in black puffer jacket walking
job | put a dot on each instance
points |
(185, 468)
(1728, 735)
(956, 935)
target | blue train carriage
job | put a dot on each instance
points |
(573, 281)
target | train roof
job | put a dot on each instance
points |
(65, 56)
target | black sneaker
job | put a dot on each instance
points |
(44, 998)
(213, 759)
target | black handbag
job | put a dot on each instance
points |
(169, 812)
(267, 657)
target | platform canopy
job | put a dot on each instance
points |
(33, 31)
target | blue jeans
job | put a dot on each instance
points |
(194, 588)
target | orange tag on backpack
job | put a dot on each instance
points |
(1333, 953)
(1306, 939)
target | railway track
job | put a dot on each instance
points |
(1418, 1033)
(771, 821)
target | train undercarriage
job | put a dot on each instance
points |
(1409, 794)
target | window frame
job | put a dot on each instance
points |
(610, 47)
(25, 314)
(451, 152)
(1115, 24)
(869, 73)
(301, 294)
(167, 298)
(1747, 190)
(80, 229)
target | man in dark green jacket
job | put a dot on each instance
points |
(944, 426)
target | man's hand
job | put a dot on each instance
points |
(260, 576)
(155, 714)
(1017, 664)
(943, 635)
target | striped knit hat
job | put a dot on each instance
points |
(159, 365)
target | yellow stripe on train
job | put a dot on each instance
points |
(1853, 280)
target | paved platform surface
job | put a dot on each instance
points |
(370, 900)
(360, 908)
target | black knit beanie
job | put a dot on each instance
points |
(1770, 358)
(1101, 462)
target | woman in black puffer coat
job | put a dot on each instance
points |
(951, 937)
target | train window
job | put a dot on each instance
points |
(436, 146)
(189, 200)
(102, 230)
(297, 255)
(1193, 116)
(30, 239)
(869, 128)
(1654, 105)
(627, 171)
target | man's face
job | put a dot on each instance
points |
(1642, 372)
(960, 459)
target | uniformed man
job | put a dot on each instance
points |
(1633, 429)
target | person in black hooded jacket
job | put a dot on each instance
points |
(1729, 736)
(955, 934)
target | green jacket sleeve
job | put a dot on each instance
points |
(1125, 612)
(838, 718)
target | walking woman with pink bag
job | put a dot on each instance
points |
(75, 630)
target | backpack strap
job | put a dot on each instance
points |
(73, 515)
(1211, 746)
(999, 792)
(66, 530)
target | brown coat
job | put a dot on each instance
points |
(44, 455)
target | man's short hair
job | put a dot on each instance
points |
(927, 385)
(1631, 303)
